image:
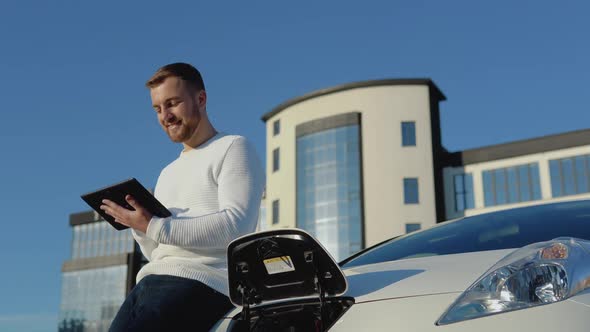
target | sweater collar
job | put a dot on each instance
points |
(203, 145)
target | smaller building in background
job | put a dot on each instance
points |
(98, 276)
(538, 170)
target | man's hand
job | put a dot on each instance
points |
(138, 219)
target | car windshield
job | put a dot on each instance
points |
(506, 229)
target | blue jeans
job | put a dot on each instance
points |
(168, 303)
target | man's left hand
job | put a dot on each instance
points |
(138, 219)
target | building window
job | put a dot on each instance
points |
(275, 212)
(411, 190)
(91, 298)
(511, 185)
(262, 223)
(275, 159)
(570, 176)
(412, 227)
(409, 133)
(276, 127)
(329, 197)
(463, 187)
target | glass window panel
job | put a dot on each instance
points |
(91, 298)
(460, 202)
(116, 246)
(555, 173)
(469, 200)
(459, 187)
(512, 185)
(570, 176)
(412, 227)
(102, 238)
(107, 239)
(76, 242)
(410, 190)
(94, 239)
(408, 133)
(90, 241)
(275, 212)
(122, 241)
(536, 181)
(114, 242)
(567, 169)
(328, 168)
(488, 189)
(83, 240)
(276, 127)
(93, 243)
(581, 175)
(500, 183)
(524, 183)
(275, 160)
(110, 234)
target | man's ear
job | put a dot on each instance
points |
(202, 99)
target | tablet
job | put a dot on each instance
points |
(117, 193)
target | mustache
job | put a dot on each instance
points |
(171, 121)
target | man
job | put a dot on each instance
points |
(213, 190)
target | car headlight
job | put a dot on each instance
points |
(538, 274)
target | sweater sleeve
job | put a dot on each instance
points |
(146, 244)
(240, 186)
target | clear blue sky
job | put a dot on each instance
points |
(76, 116)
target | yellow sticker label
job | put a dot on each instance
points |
(279, 265)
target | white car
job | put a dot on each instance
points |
(524, 269)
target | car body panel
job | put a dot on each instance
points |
(419, 276)
(419, 314)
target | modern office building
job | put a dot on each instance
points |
(99, 275)
(359, 163)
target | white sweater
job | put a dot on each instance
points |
(214, 194)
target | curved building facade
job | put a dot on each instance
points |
(357, 163)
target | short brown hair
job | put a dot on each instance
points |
(181, 70)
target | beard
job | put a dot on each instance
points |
(179, 133)
(184, 130)
(185, 125)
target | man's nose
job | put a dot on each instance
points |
(167, 115)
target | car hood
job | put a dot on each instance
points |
(419, 276)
